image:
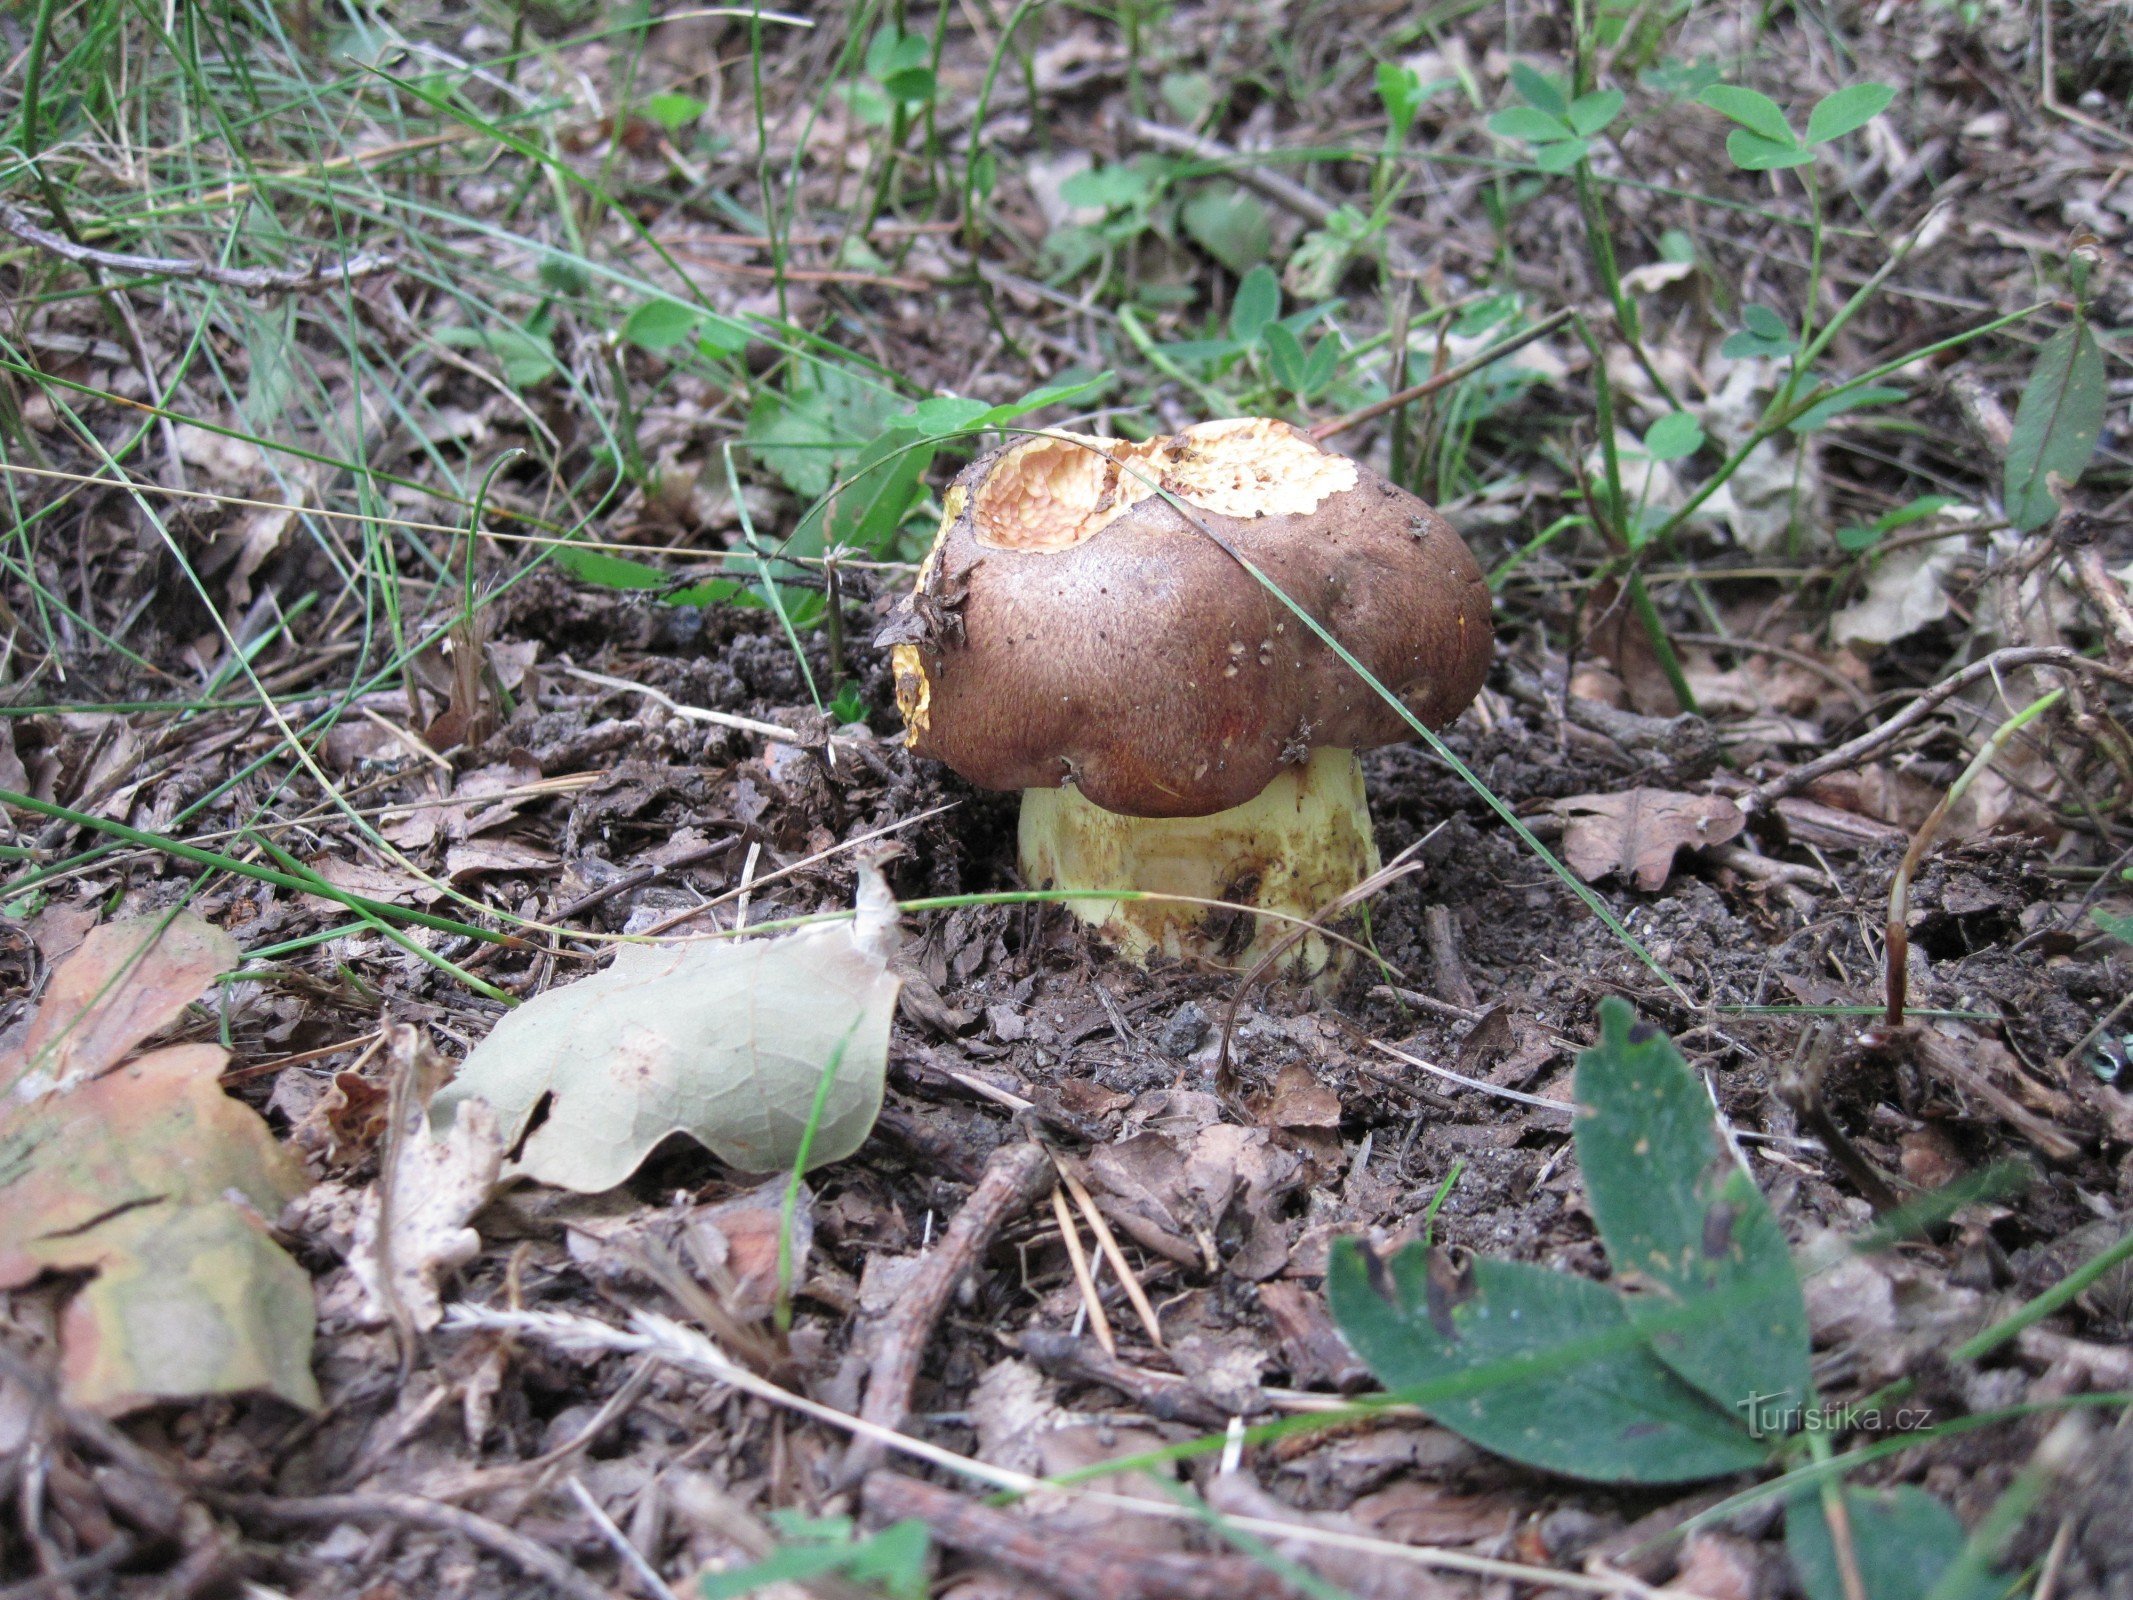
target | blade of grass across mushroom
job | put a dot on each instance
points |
(1437, 746)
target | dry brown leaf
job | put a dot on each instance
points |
(151, 1179)
(478, 856)
(1636, 833)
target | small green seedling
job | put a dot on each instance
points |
(663, 325)
(899, 77)
(1673, 436)
(673, 112)
(1864, 536)
(1229, 223)
(1559, 129)
(1679, 80)
(1694, 1365)
(1764, 140)
(1763, 333)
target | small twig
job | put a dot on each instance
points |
(2105, 592)
(536, 1559)
(1427, 1002)
(632, 1557)
(61, 1579)
(1538, 1101)
(1084, 1280)
(1445, 966)
(1015, 1178)
(721, 719)
(1108, 1243)
(1278, 187)
(259, 280)
(1853, 752)
(1799, 1085)
(1162, 1395)
(1322, 431)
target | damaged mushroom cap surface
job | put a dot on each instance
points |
(1071, 626)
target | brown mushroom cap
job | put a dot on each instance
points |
(1072, 625)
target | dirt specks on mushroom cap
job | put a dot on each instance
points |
(1072, 625)
(1054, 491)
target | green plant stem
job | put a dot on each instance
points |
(1814, 286)
(1218, 404)
(789, 1204)
(1647, 614)
(1772, 426)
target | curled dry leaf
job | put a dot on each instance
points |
(147, 1176)
(1635, 834)
(726, 1043)
(412, 1225)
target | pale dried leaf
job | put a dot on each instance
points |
(438, 1183)
(1907, 591)
(1635, 834)
(725, 1042)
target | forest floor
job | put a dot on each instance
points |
(1794, 512)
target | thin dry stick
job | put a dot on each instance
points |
(1108, 1242)
(1497, 1089)
(535, 1559)
(1874, 739)
(690, 1351)
(1098, 1322)
(692, 912)
(1015, 1175)
(721, 719)
(1322, 431)
(257, 280)
(619, 1542)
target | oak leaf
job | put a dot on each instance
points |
(147, 1176)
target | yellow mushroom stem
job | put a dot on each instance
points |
(1300, 843)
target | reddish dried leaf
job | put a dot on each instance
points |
(152, 1179)
(124, 982)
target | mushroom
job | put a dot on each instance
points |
(1171, 724)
